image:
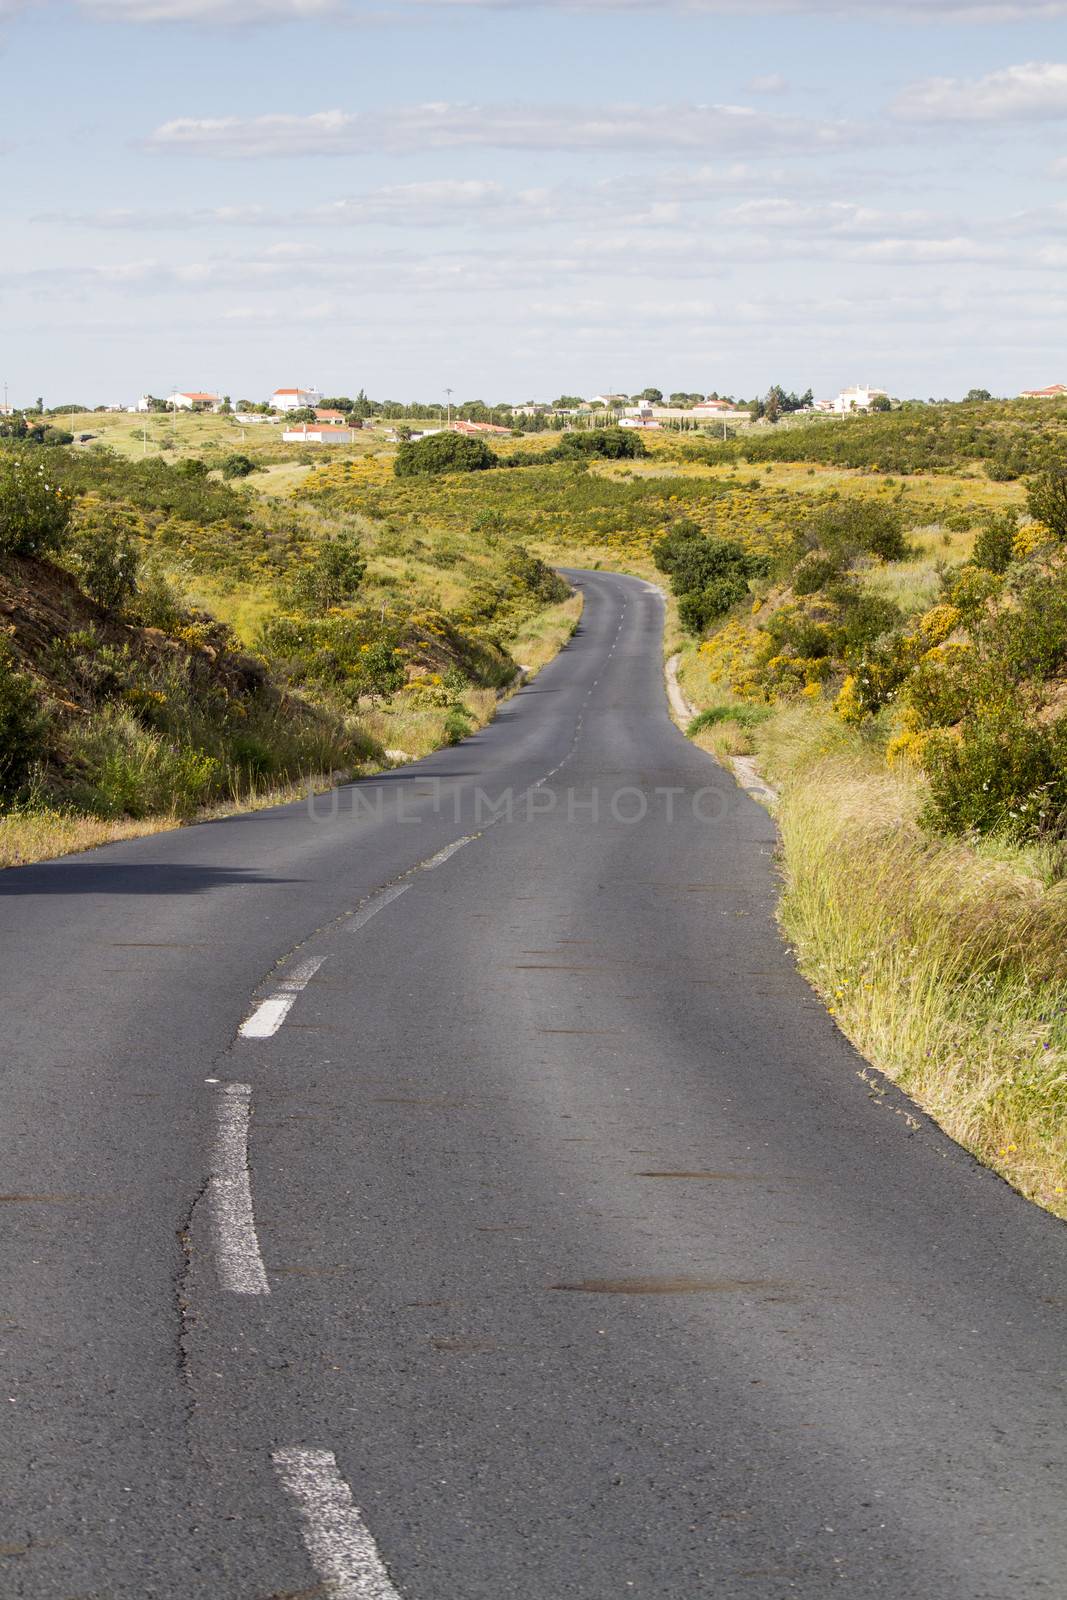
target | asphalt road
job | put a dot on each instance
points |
(539, 1235)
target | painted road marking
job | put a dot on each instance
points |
(449, 850)
(341, 1547)
(377, 903)
(237, 1257)
(269, 1015)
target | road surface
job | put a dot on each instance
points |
(453, 1192)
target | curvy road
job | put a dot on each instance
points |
(450, 1190)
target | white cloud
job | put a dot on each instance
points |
(711, 129)
(1058, 169)
(768, 83)
(207, 11)
(852, 10)
(1034, 91)
(834, 219)
(225, 13)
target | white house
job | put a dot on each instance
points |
(295, 399)
(318, 433)
(859, 398)
(193, 400)
(1055, 391)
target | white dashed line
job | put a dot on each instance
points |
(269, 1015)
(376, 903)
(341, 1547)
(444, 855)
(237, 1258)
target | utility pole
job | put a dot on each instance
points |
(449, 393)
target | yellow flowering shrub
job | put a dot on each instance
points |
(849, 705)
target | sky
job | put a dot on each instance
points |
(516, 199)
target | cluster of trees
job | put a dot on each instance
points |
(778, 403)
(440, 453)
(708, 575)
(33, 429)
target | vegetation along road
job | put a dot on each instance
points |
(456, 1193)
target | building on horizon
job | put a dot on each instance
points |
(295, 399)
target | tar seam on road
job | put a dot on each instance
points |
(377, 903)
(237, 1258)
(444, 855)
(269, 1015)
(341, 1547)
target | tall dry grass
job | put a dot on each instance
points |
(945, 964)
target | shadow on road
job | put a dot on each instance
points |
(91, 877)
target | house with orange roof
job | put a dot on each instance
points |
(295, 399)
(193, 400)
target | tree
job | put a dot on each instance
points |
(772, 408)
(881, 402)
(332, 577)
(974, 395)
(708, 575)
(301, 414)
(1046, 500)
(34, 512)
(653, 396)
(237, 465)
(568, 402)
(612, 444)
(994, 543)
(442, 452)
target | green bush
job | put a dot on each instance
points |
(701, 607)
(606, 444)
(1046, 499)
(997, 772)
(128, 770)
(744, 716)
(237, 465)
(103, 555)
(994, 542)
(862, 619)
(441, 453)
(331, 578)
(156, 602)
(1028, 638)
(792, 630)
(34, 510)
(814, 571)
(847, 528)
(458, 724)
(708, 575)
(21, 730)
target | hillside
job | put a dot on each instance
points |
(172, 642)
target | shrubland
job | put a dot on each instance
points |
(170, 641)
(904, 682)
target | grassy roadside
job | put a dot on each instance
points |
(32, 834)
(943, 961)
